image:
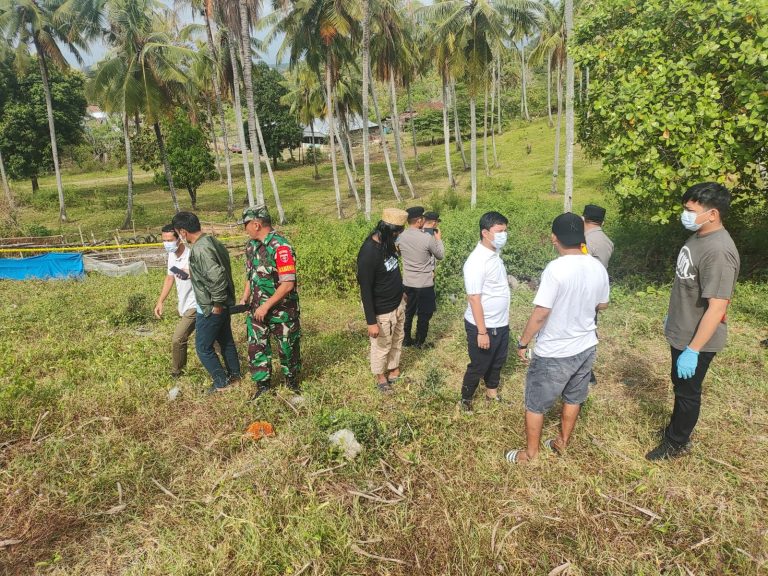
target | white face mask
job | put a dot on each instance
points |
(499, 239)
(171, 246)
(688, 219)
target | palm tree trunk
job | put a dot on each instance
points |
(524, 75)
(485, 131)
(447, 134)
(457, 125)
(404, 179)
(556, 166)
(129, 165)
(314, 150)
(366, 136)
(270, 172)
(347, 168)
(215, 139)
(51, 128)
(384, 146)
(239, 119)
(413, 130)
(222, 121)
(549, 89)
(498, 87)
(166, 165)
(6, 187)
(493, 108)
(348, 144)
(332, 144)
(245, 60)
(473, 151)
(569, 113)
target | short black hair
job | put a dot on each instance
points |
(186, 221)
(710, 195)
(169, 228)
(490, 219)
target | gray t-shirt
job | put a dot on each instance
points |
(707, 267)
(419, 251)
(599, 245)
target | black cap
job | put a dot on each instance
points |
(569, 229)
(432, 216)
(415, 212)
(594, 212)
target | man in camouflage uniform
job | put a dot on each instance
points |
(270, 290)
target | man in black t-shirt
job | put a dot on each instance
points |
(695, 327)
(381, 291)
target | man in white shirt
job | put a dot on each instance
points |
(573, 287)
(178, 274)
(486, 319)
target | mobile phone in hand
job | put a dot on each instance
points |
(179, 272)
(430, 230)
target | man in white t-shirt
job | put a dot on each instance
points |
(573, 288)
(486, 319)
(178, 274)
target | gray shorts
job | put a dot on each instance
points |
(549, 378)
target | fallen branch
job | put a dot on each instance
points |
(39, 423)
(702, 543)
(562, 569)
(358, 550)
(652, 515)
(164, 489)
(291, 406)
(326, 470)
(374, 498)
(10, 542)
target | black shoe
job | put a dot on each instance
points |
(592, 379)
(424, 345)
(495, 400)
(465, 406)
(667, 451)
(293, 386)
(260, 390)
(408, 342)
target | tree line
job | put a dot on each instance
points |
(337, 51)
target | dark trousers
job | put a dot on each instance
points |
(685, 414)
(421, 302)
(485, 364)
(217, 328)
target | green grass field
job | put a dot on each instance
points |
(101, 474)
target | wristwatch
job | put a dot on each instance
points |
(521, 346)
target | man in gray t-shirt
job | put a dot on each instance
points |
(419, 251)
(695, 327)
(598, 243)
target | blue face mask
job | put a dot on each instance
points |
(499, 239)
(688, 219)
(171, 246)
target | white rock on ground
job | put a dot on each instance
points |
(346, 441)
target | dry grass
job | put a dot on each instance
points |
(101, 474)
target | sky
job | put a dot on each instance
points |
(98, 49)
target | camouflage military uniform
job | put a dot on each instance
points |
(267, 264)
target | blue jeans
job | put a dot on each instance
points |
(217, 328)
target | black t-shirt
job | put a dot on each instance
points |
(381, 285)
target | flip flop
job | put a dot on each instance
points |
(551, 445)
(396, 379)
(513, 455)
(384, 387)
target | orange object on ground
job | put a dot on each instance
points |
(260, 429)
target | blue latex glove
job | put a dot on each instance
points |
(686, 363)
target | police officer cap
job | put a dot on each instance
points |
(594, 212)
(432, 216)
(254, 212)
(415, 212)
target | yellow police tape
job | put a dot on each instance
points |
(92, 248)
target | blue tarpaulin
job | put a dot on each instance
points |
(42, 267)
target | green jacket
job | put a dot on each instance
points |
(211, 274)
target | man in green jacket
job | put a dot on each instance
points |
(211, 276)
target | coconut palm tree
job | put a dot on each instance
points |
(46, 26)
(318, 31)
(384, 145)
(569, 114)
(479, 26)
(305, 97)
(391, 54)
(6, 187)
(142, 71)
(366, 56)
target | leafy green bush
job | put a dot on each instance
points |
(136, 311)
(677, 96)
